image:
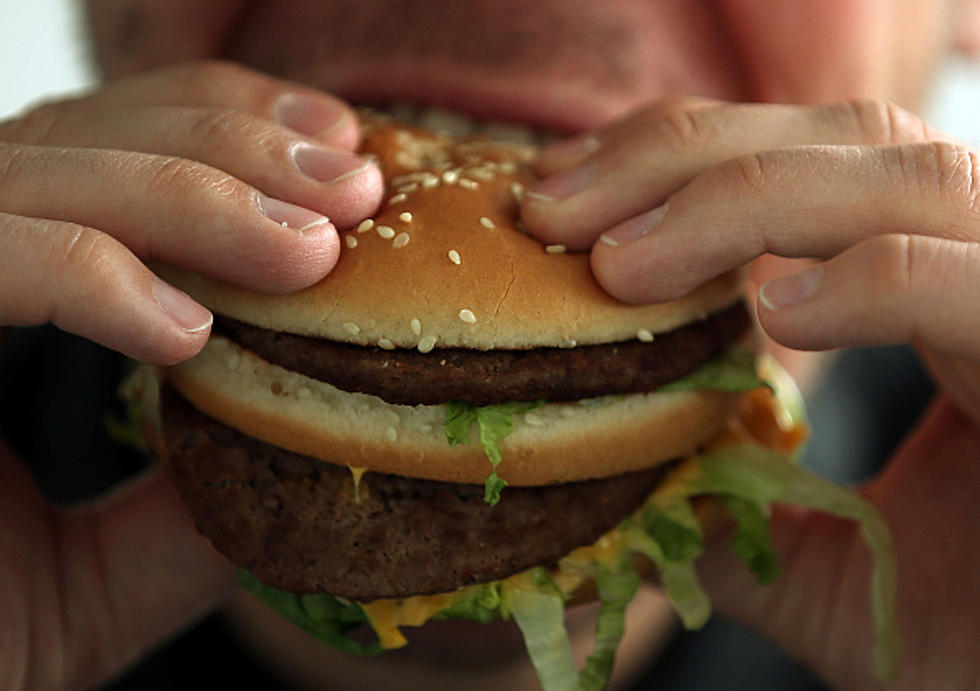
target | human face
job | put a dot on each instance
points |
(573, 64)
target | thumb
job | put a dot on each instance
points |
(95, 586)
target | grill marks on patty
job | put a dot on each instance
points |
(479, 377)
(295, 522)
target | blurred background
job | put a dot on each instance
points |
(860, 412)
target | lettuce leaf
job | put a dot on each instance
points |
(752, 541)
(761, 476)
(678, 578)
(482, 604)
(617, 586)
(495, 422)
(324, 617)
(540, 614)
(733, 370)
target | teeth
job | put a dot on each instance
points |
(443, 121)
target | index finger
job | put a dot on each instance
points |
(219, 84)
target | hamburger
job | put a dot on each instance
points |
(457, 422)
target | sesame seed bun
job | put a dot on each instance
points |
(559, 442)
(450, 268)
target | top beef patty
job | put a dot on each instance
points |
(478, 377)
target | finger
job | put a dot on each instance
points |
(175, 210)
(798, 202)
(89, 284)
(639, 163)
(566, 153)
(218, 84)
(887, 290)
(331, 181)
(104, 582)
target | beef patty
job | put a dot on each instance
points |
(299, 524)
(495, 376)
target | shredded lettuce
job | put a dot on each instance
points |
(326, 618)
(540, 614)
(760, 476)
(733, 370)
(482, 604)
(495, 422)
(617, 586)
(752, 541)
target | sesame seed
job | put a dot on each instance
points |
(555, 249)
(568, 343)
(416, 327)
(533, 420)
(467, 316)
(517, 191)
(486, 222)
(350, 241)
(352, 328)
(427, 344)
(454, 257)
(233, 360)
(484, 174)
(303, 392)
(612, 242)
(405, 217)
(430, 181)
(450, 177)
(387, 232)
(365, 225)
(398, 198)
(392, 434)
(385, 344)
(644, 335)
(508, 167)
(425, 429)
(468, 184)
(401, 240)
(410, 187)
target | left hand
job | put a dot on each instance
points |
(685, 190)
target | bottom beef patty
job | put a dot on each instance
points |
(298, 523)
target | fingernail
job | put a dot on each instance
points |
(791, 290)
(635, 228)
(190, 315)
(562, 185)
(572, 149)
(324, 165)
(289, 215)
(307, 114)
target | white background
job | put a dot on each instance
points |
(42, 53)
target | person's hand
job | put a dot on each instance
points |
(685, 190)
(207, 166)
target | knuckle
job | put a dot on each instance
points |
(231, 129)
(941, 169)
(184, 178)
(883, 122)
(683, 128)
(14, 161)
(37, 126)
(751, 171)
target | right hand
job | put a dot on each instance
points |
(200, 165)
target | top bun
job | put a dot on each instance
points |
(444, 264)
